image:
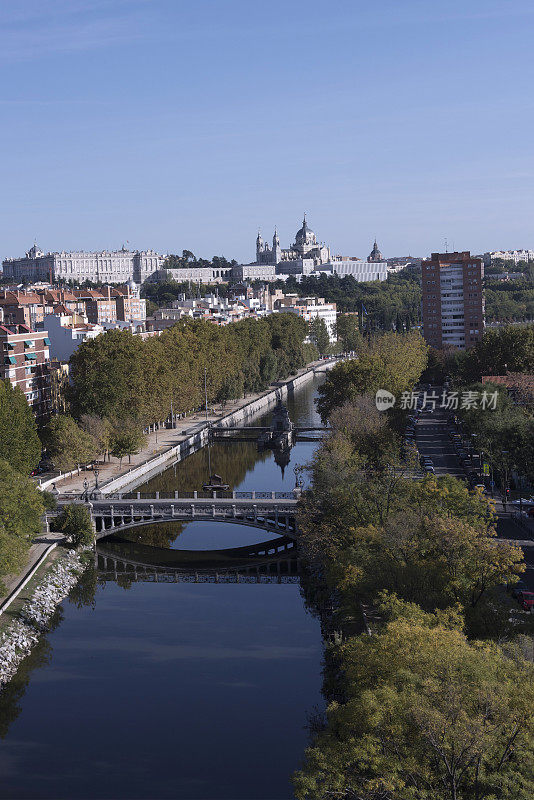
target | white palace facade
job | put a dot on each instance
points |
(107, 266)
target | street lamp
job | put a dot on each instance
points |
(505, 465)
(85, 488)
(97, 472)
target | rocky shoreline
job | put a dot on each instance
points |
(33, 619)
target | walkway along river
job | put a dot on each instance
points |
(165, 688)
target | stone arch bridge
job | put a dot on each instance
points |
(271, 511)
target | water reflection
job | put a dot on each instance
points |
(169, 689)
(239, 463)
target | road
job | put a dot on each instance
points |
(433, 440)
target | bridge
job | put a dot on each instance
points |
(271, 511)
(274, 561)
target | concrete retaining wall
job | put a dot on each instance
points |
(199, 437)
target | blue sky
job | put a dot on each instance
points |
(176, 125)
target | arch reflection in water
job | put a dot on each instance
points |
(136, 558)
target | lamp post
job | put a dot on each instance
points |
(97, 472)
(85, 488)
(206, 392)
(505, 465)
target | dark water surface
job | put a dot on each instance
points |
(171, 690)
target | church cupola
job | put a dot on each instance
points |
(375, 254)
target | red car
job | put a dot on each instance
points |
(526, 600)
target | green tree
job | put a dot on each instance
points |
(318, 333)
(74, 522)
(69, 445)
(501, 350)
(107, 376)
(348, 333)
(391, 361)
(19, 442)
(100, 429)
(21, 508)
(428, 715)
(127, 440)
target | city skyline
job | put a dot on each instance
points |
(176, 127)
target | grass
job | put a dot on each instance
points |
(12, 612)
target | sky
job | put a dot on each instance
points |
(172, 124)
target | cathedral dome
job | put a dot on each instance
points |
(305, 235)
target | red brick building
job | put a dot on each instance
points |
(99, 306)
(24, 359)
(453, 300)
(21, 308)
(130, 308)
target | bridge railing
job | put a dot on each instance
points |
(218, 495)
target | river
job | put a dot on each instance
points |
(172, 690)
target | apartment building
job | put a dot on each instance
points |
(24, 359)
(508, 255)
(130, 307)
(453, 300)
(21, 308)
(309, 308)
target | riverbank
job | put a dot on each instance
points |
(154, 651)
(171, 445)
(25, 625)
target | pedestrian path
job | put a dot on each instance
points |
(37, 550)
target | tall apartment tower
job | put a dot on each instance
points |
(453, 300)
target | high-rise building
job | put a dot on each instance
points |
(453, 300)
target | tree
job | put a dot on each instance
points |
(319, 335)
(107, 375)
(19, 442)
(68, 444)
(348, 333)
(392, 361)
(100, 429)
(501, 350)
(75, 523)
(21, 508)
(428, 715)
(127, 440)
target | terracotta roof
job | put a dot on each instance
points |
(88, 294)
(513, 380)
(19, 299)
(62, 309)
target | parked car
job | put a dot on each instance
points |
(526, 600)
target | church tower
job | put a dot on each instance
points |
(259, 246)
(277, 250)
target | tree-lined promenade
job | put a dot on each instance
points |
(122, 385)
(437, 704)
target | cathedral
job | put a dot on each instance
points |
(305, 255)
